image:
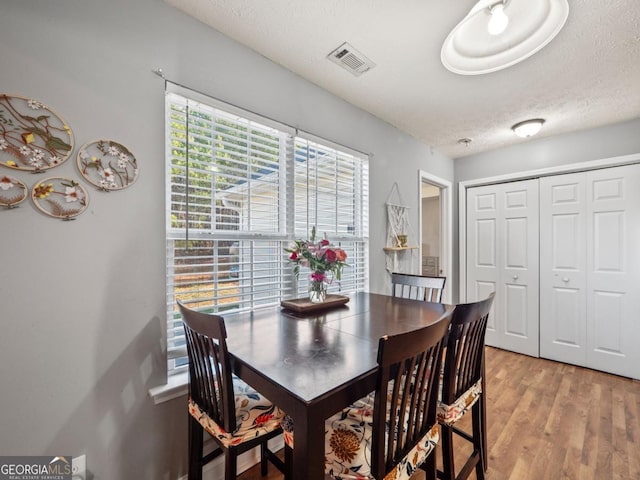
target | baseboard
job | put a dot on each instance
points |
(215, 469)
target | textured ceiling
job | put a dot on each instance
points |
(588, 76)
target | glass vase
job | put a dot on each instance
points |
(317, 291)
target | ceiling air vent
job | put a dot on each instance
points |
(351, 59)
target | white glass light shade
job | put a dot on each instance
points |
(499, 20)
(471, 50)
(528, 128)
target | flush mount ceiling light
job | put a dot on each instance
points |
(528, 128)
(496, 34)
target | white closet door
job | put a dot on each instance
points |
(502, 256)
(483, 270)
(613, 261)
(563, 279)
(590, 269)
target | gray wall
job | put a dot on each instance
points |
(583, 146)
(82, 302)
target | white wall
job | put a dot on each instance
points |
(82, 303)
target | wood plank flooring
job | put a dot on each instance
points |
(551, 421)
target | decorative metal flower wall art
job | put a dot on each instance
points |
(107, 164)
(32, 136)
(12, 191)
(60, 197)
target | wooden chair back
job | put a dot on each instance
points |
(417, 287)
(210, 375)
(404, 414)
(464, 358)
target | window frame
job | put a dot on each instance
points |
(286, 232)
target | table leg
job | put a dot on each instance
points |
(483, 416)
(308, 450)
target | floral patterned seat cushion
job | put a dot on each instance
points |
(450, 414)
(255, 416)
(348, 442)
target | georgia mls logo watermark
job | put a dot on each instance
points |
(35, 468)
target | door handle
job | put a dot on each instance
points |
(515, 277)
(565, 279)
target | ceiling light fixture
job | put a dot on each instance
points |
(499, 19)
(528, 128)
(482, 43)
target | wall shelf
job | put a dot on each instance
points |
(395, 257)
(398, 249)
(398, 233)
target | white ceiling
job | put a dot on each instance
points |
(588, 76)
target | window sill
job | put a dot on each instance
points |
(176, 386)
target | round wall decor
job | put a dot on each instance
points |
(107, 164)
(32, 136)
(12, 191)
(60, 197)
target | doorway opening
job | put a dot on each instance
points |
(435, 230)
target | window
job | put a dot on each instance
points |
(331, 191)
(240, 188)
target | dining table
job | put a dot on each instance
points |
(313, 364)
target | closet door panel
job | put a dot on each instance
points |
(563, 332)
(566, 231)
(590, 269)
(613, 292)
(482, 251)
(518, 208)
(516, 261)
(517, 241)
(567, 305)
(483, 289)
(486, 244)
(515, 300)
(608, 323)
(502, 253)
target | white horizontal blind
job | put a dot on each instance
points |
(228, 200)
(332, 194)
(234, 170)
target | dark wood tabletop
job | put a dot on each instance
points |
(313, 365)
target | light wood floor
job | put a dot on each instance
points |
(551, 421)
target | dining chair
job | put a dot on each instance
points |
(392, 431)
(234, 414)
(462, 387)
(417, 287)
